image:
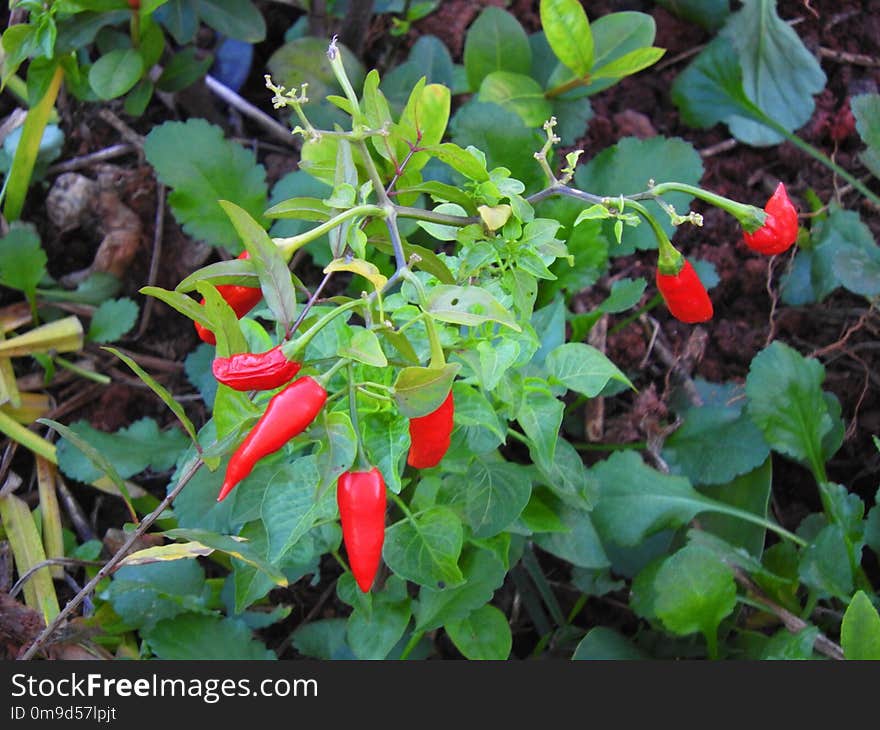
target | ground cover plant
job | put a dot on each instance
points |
(395, 330)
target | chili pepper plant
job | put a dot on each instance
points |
(402, 429)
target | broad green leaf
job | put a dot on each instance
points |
(785, 646)
(602, 643)
(338, 446)
(710, 14)
(621, 170)
(460, 160)
(144, 595)
(239, 19)
(625, 293)
(364, 347)
(540, 514)
(495, 41)
(496, 494)
(206, 638)
(866, 110)
(710, 90)
(323, 639)
(694, 591)
(540, 415)
(583, 368)
(636, 501)
(715, 444)
(860, 631)
(203, 168)
(568, 32)
(749, 492)
(496, 359)
(569, 479)
(518, 93)
(112, 319)
(473, 410)
(629, 64)
(483, 573)
(779, 74)
(116, 72)
(385, 436)
(484, 634)
(580, 545)
(786, 403)
(307, 209)
(373, 634)
(234, 547)
(471, 306)
(825, 564)
(422, 123)
(844, 254)
(425, 549)
(22, 259)
(289, 507)
(183, 70)
(419, 391)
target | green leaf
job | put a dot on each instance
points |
(636, 501)
(373, 634)
(540, 415)
(116, 72)
(419, 391)
(467, 305)
(786, 403)
(496, 494)
(602, 643)
(866, 110)
(580, 545)
(844, 254)
(425, 549)
(307, 209)
(495, 42)
(144, 595)
(749, 492)
(483, 572)
(710, 14)
(385, 436)
(825, 564)
(779, 74)
(517, 93)
(629, 64)
(130, 450)
(338, 446)
(625, 293)
(715, 444)
(274, 275)
(289, 508)
(183, 70)
(203, 168)
(224, 321)
(22, 259)
(860, 631)
(112, 319)
(469, 165)
(206, 638)
(622, 169)
(568, 32)
(323, 639)
(568, 477)
(161, 391)
(485, 634)
(710, 90)
(694, 591)
(583, 368)
(239, 19)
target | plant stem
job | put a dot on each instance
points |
(82, 372)
(411, 644)
(290, 245)
(757, 520)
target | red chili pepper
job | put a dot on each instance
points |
(780, 228)
(430, 435)
(289, 413)
(134, 4)
(685, 295)
(242, 299)
(361, 499)
(255, 371)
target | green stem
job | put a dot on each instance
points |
(567, 86)
(403, 506)
(326, 377)
(647, 307)
(670, 260)
(411, 644)
(290, 245)
(757, 520)
(342, 77)
(292, 348)
(363, 465)
(82, 372)
(749, 216)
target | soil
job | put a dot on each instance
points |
(840, 331)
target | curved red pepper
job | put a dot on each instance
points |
(255, 371)
(289, 413)
(430, 435)
(242, 299)
(361, 499)
(780, 228)
(685, 295)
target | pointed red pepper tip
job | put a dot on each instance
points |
(780, 228)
